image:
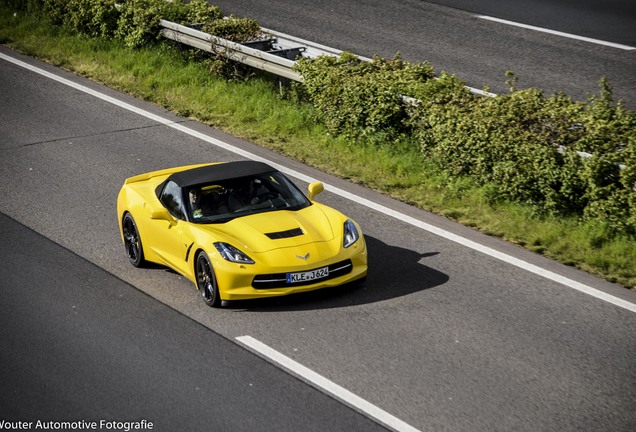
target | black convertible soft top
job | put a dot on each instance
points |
(218, 172)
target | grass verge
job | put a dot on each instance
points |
(255, 110)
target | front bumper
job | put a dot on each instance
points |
(242, 282)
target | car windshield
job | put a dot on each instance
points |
(223, 201)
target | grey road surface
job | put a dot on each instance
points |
(442, 336)
(79, 344)
(609, 20)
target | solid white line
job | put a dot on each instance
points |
(557, 33)
(365, 202)
(326, 385)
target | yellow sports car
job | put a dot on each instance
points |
(238, 230)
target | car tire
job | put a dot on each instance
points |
(132, 241)
(206, 281)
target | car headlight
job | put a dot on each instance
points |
(232, 254)
(350, 233)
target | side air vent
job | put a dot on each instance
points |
(285, 234)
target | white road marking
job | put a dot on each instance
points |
(365, 202)
(557, 33)
(328, 386)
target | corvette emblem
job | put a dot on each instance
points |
(304, 258)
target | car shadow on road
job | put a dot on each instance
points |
(393, 272)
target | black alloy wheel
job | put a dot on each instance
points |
(206, 281)
(132, 241)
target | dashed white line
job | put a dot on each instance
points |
(557, 33)
(328, 386)
(362, 201)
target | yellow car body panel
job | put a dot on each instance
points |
(175, 242)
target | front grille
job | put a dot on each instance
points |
(279, 280)
(285, 234)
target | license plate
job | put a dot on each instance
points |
(308, 275)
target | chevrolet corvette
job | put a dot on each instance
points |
(238, 230)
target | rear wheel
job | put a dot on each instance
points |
(206, 281)
(132, 241)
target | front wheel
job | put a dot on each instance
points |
(206, 281)
(132, 241)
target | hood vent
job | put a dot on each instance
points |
(285, 234)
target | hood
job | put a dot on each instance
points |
(267, 231)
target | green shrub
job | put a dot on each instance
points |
(234, 29)
(136, 22)
(609, 134)
(97, 18)
(361, 98)
(526, 144)
(139, 21)
(56, 10)
(201, 12)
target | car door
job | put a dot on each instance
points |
(168, 228)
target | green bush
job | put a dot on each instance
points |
(526, 144)
(510, 140)
(56, 10)
(201, 12)
(234, 29)
(97, 18)
(139, 19)
(357, 97)
(138, 23)
(523, 142)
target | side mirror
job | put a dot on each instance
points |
(161, 214)
(314, 189)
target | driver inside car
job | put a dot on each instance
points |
(195, 203)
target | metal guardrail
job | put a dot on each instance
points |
(274, 61)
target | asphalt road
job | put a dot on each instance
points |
(79, 344)
(448, 35)
(443, 336)
(609, 20)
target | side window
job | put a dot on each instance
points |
(172, 200)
